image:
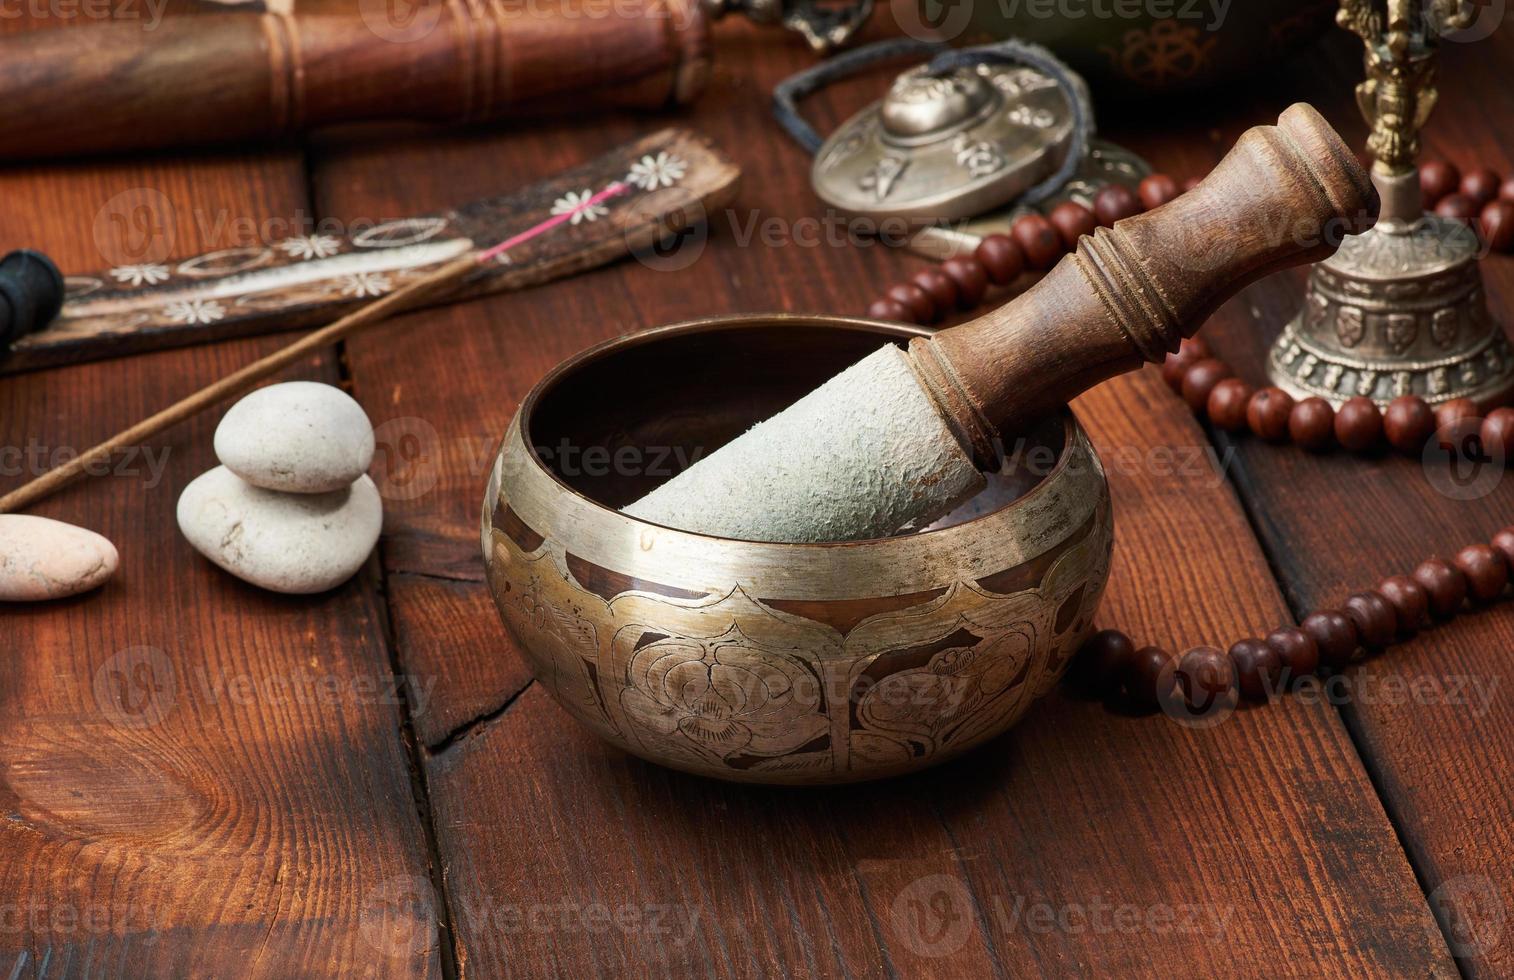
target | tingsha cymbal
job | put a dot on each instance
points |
(946, 147)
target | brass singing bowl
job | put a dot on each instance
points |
(766, 662)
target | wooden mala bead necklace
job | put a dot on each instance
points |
(1109, 664)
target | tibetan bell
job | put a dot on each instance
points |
(953, 146)
(1399, 309)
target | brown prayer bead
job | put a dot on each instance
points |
(1002, 259)
(1457, 206)
(1200, 379)
(1454, 411)
(1503, 543)
(1145, 673)
(1268, 414)
(1190, 351)
(1333, 634)
(1256, 669)
(889, 309)
(1298, 654)
(1410, 602)
(970, 278)
(1479, 186)
(1206, 674)
(1374, 617)
(1101, 662)
(1114, 202)
(1497, 434)
(1227, 404)
(1156, 190)
(1358, 425)
(1038, 240)
(939, 287)
(1486, 571)
(1437, 178)
(1496, 224)
(1445, 585)
(922, 309)
(1409, 423)
(1311, 424)
(1072, 221)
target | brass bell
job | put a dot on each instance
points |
(1399, 309)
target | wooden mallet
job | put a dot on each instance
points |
(901, 437)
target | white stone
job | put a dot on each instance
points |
(862, 456)
(298, 543)
(299, 437)
(45, 559)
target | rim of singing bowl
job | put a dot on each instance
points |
(964, 538)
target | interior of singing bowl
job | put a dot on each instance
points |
(616, 421)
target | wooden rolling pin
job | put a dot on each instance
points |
(248, 75)
(899, 438)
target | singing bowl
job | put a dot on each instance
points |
(767, 662)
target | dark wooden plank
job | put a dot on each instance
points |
(458, 669)
(1267, 822)
(196, 778)
(1431, 718)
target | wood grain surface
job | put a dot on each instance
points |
(458, 822)
(196, 778)
(1430, 719)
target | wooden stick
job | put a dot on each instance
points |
(240, 381)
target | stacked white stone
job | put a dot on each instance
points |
(291, 507)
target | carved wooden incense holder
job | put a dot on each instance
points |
(813, 663)
(305, 280)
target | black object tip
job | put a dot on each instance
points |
(31, 294)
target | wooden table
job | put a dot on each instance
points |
(368, 782)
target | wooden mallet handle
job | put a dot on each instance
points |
(1284, 195)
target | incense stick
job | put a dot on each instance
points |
(242, 380)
